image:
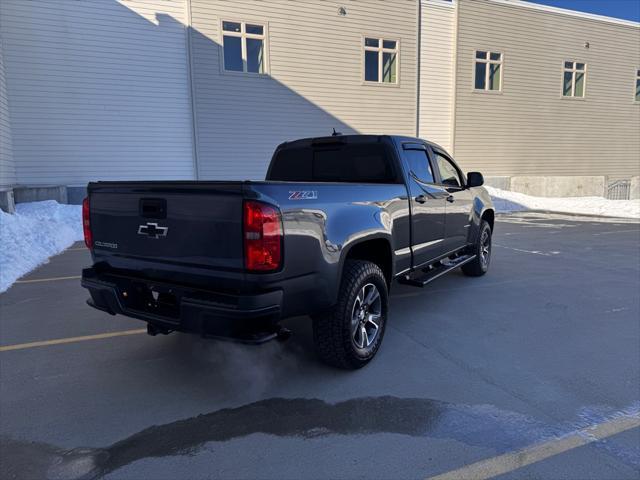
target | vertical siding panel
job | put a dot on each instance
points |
(314, 85)
(436, 71)
(7, 167)
(529, 129)
(99, 90)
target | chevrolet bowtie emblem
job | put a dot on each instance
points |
(152, 230)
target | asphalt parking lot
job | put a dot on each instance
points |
(471, 370)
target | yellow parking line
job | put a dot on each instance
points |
(52, 279)
(508, 462)
(59, 341)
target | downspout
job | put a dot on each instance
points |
(418, 49)
(192, 96)
(454, 81)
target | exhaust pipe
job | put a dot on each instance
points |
(154, 330)
(283, 334)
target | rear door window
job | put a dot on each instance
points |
(419, 165)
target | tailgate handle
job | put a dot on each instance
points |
(153, 208)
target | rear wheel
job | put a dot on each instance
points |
(482, 250)
(349, 335)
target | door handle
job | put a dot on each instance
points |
(421, 199)
(451, 199)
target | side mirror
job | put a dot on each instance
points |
(474, 179)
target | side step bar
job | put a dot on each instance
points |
(436, 272)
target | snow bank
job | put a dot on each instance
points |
(506, 201)
(34, 233)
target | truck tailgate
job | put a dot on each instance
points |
(179, 223)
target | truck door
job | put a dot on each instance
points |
(427, 200)
(459, 201)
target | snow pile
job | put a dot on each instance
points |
(506, 201)
(34, 233)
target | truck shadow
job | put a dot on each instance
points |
(219, 371)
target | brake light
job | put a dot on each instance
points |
(262, 236)
(86, 224)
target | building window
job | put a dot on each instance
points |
(638, 85)
(573, 80)
(488, 72)
(380, 60)
(244, 47)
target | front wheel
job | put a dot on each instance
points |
(349, 335)
(482, 250)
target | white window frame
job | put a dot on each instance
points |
(380, 49)
(574, 70)
(243, 35)
(636, 79)
(488, 62)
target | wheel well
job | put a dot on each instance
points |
(377, 251)
(489, 217)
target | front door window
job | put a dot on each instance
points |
(449, 175)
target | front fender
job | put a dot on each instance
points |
(481, 204)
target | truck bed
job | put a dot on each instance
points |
(192, 233)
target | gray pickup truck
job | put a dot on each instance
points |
(336, 221)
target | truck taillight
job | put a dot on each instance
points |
(262, 236)
(86, 224)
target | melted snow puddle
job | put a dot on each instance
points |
(476, 425)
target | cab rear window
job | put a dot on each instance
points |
(350, 163)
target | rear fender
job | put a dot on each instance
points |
(381, 254)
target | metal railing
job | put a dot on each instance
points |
(619, 190)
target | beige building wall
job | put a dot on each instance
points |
(314, 81)
(437, 60)
(529, 128)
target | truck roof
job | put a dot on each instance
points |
(357, 138)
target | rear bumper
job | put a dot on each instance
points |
(250, 318)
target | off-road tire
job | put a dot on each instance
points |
(333, 330)
(479, 265)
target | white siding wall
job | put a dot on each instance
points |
(7, 168)
(98, 89)
(315, 80)
(529, 129)
(437, 48)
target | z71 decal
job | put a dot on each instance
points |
(303, 195)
